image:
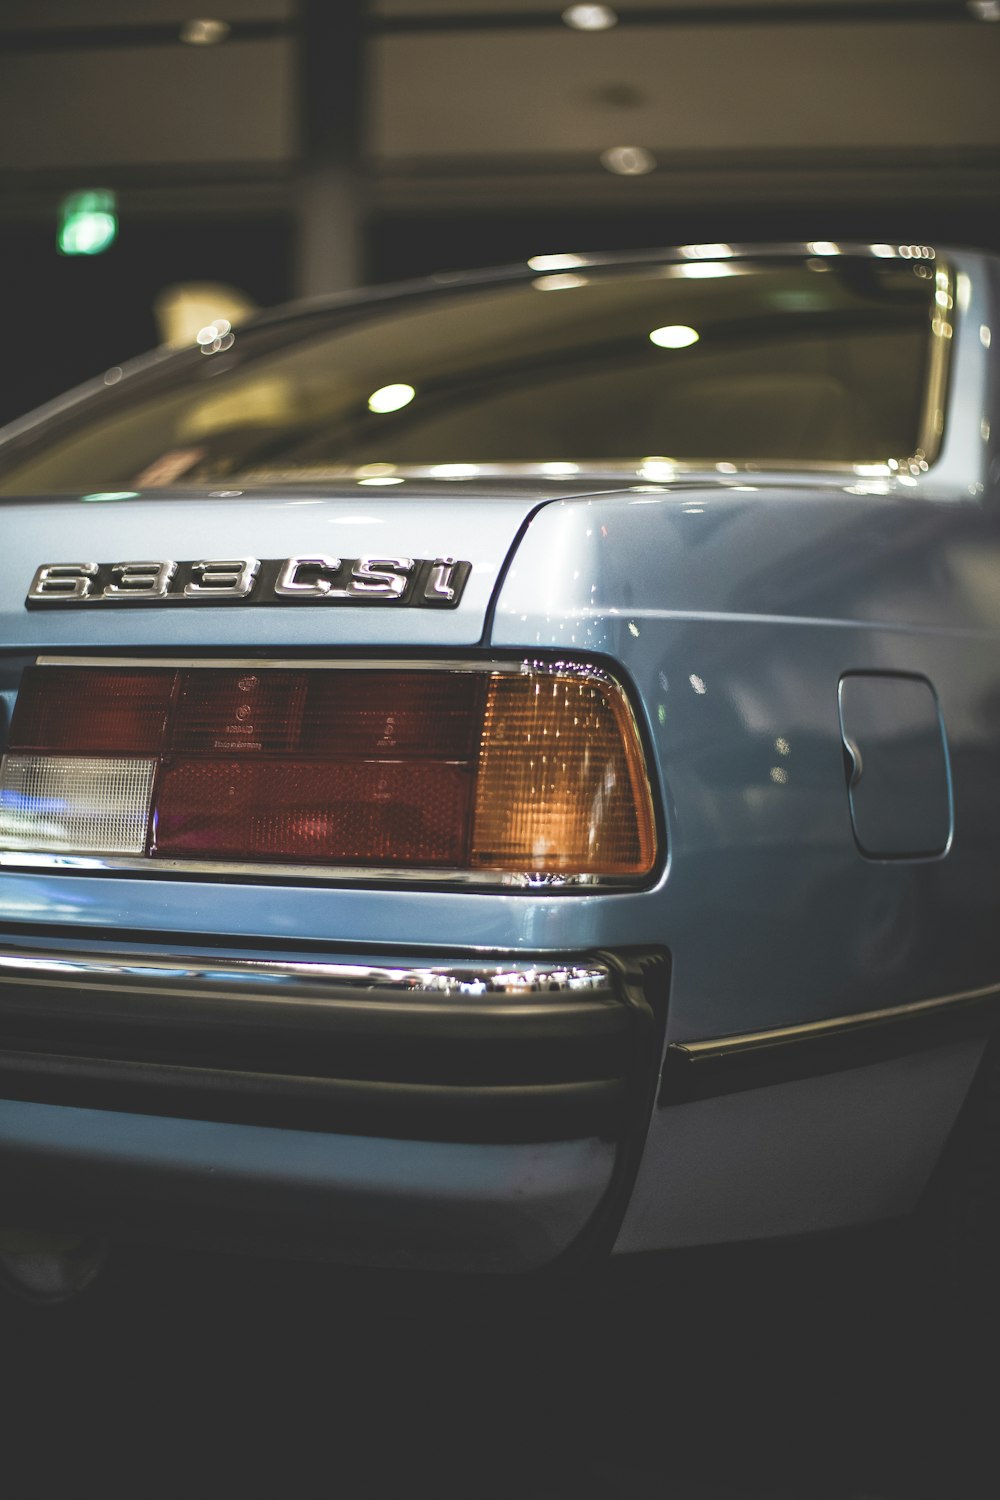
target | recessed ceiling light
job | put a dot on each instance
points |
(590, 17)
(628, 161)
(204, 33)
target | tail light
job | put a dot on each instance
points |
(494, 775)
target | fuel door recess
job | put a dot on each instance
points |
(896, 755)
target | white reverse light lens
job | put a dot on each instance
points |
(390, 397)
(674, 336)
(75, 804)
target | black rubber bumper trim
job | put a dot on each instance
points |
(402, 1111)
(731, 1065)
(155, 1039)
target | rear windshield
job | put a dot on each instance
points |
(815, 361)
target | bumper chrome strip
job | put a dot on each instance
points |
(250, 979)
(754, 1041)
(711, 1067)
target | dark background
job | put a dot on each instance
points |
(322, 144)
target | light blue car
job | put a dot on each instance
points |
(504, 770)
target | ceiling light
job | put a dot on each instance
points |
(390, 397)
(590, 17)
(628, 161)
(674, 336)
(980, 10)
(204, 33)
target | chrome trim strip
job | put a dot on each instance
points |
(931, 435)
(270, 980)
(755, 1041)
(381, 875)
(354, 664)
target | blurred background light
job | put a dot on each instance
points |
(560, 283)
(185, 310)
(590, 17)
(88, 222)
(391, 397)
(674, 336)
(204, 33)
(628, 161)
(555, 262)
(706, 252)
(704, 270)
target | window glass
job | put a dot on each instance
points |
(805, 361)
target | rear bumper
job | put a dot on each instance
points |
(468, 1114)
(356, 1200)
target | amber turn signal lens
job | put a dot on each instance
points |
(562, 787)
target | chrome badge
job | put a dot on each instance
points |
(425, 583)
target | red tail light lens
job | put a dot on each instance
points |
(373, 813)
(490, 773)
(93, 712)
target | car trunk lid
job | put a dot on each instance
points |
(474, 523)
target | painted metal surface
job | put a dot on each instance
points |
(389, 1203)
(432, 520)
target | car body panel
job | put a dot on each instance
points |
(478, 527)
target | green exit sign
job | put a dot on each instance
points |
(88, 222)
